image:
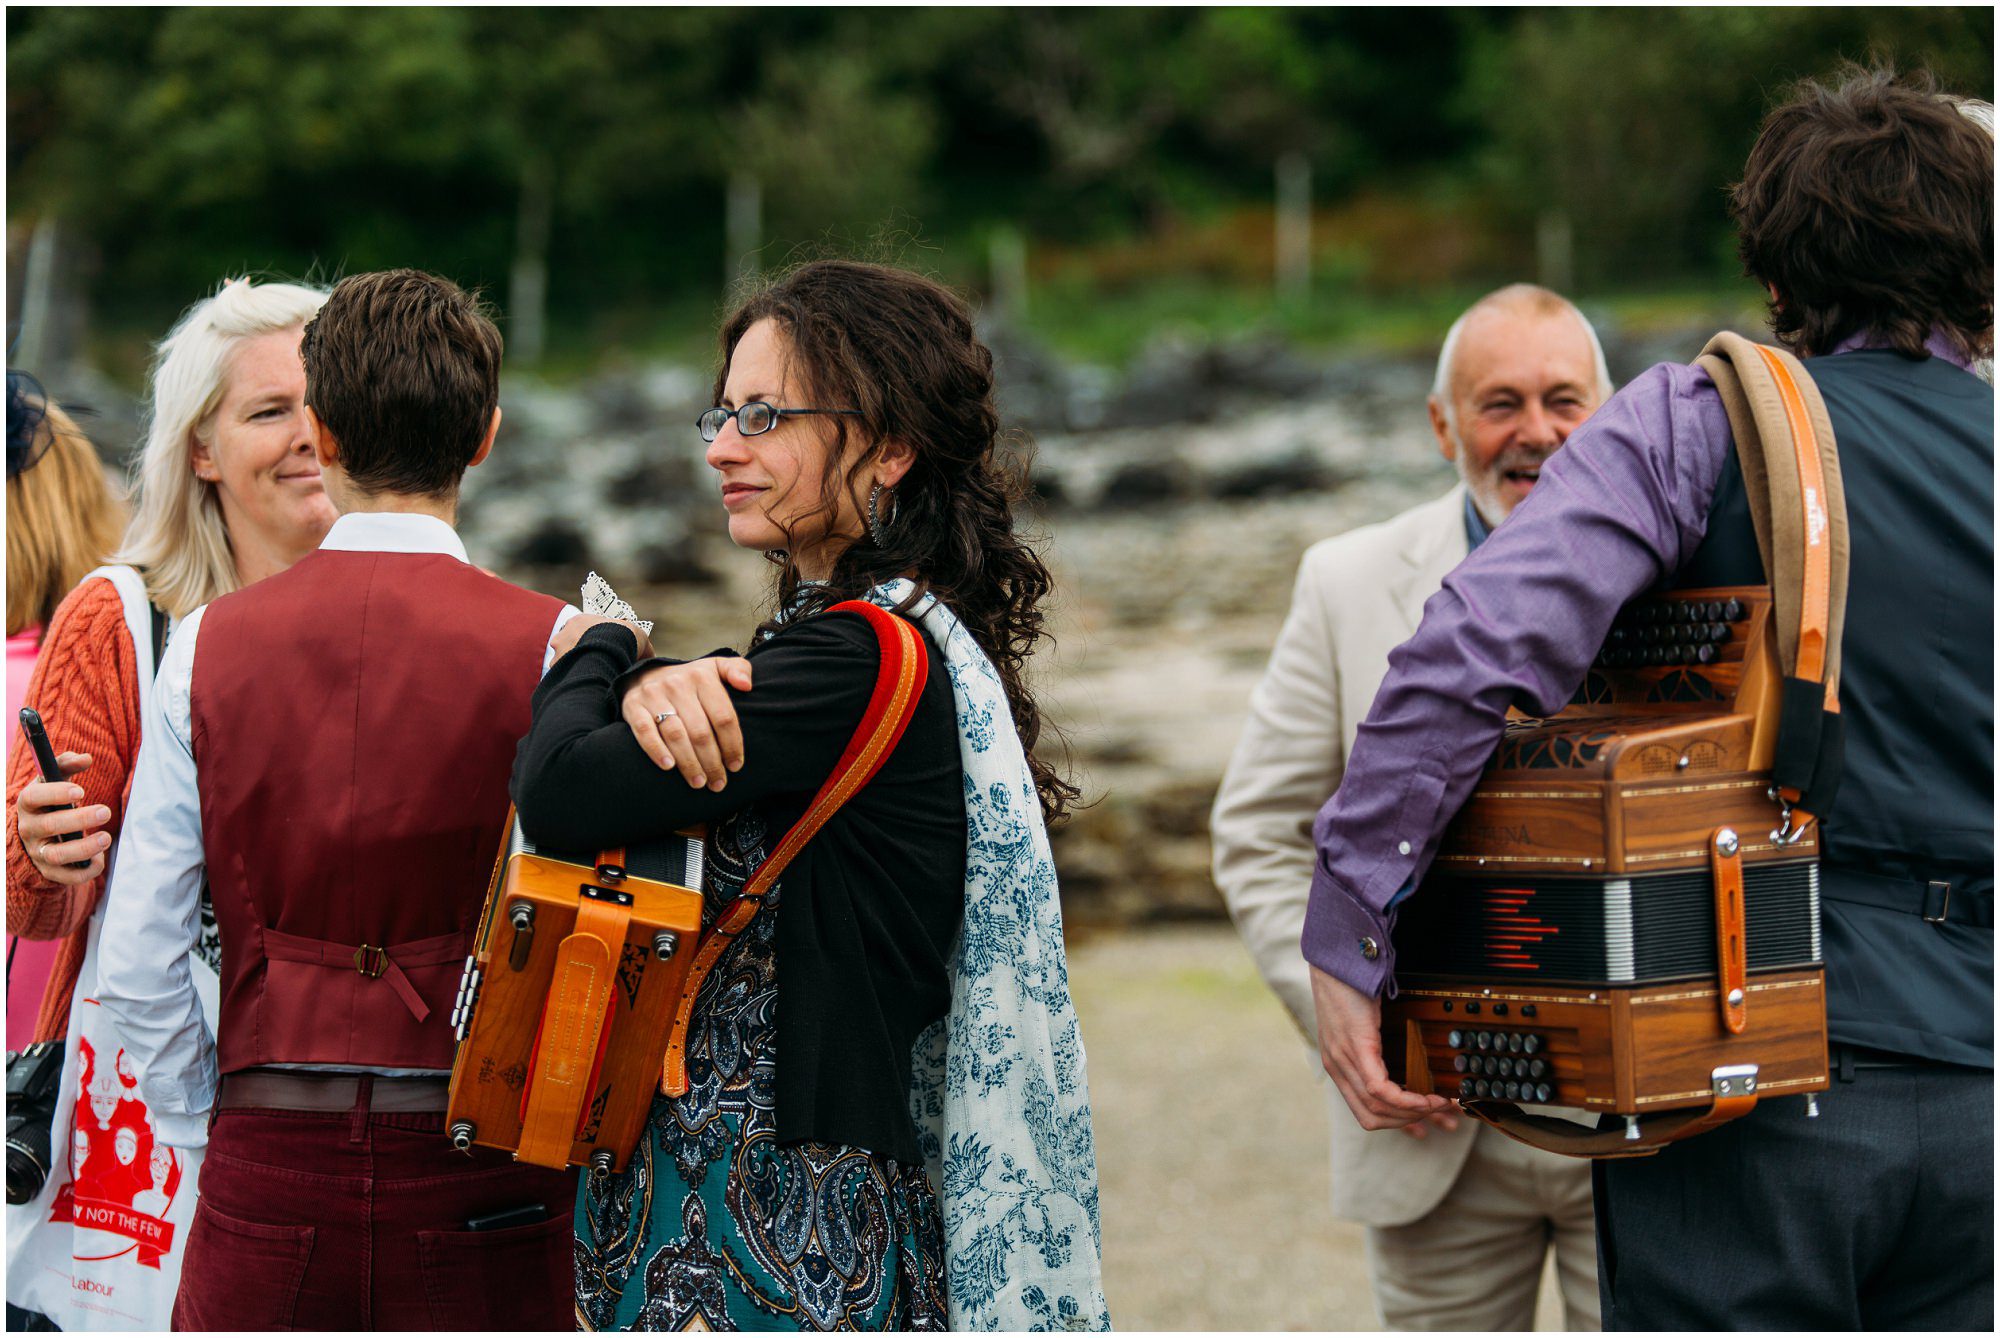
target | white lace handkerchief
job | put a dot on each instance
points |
(601, 601)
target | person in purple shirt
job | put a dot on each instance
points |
(1866, 212)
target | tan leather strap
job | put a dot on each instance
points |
(899, 684)
(1725, 860)
(1791, 471)
(573, 1026)
(1574, 1140)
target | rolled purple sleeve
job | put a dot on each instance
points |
(1620, 507)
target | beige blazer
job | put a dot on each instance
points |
(1359, 595)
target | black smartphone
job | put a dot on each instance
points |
(45, 757)
(525, 1215)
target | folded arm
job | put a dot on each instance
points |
(583, 782)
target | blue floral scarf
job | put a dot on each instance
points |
(997, 1087)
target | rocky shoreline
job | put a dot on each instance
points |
(1173, 502)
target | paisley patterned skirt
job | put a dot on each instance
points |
(714, 1224)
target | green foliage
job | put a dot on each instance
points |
(1634, 121)
(835, 149)
(597, 144)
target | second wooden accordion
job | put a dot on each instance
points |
(568, 998)
(1570, 944)
(1623, 919)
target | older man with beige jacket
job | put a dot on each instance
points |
(1459, 1217)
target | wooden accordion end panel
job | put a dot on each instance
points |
(561, 1038)
(1612, 1051)
(1614, 922)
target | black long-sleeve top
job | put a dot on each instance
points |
(869, 908)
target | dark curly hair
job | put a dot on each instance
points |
(900, 349)
(1868, 205)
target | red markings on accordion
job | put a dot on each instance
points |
(1511, 932)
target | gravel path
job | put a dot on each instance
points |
(1211, 1143)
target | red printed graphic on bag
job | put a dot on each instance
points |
(122, 1180)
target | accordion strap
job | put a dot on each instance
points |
(1791, 471)
(1568, 1139)
(569, 1044)
(899, 684)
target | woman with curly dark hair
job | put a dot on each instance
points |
(905, 1143)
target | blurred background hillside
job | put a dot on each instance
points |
(1215, 251)
(1094, 174)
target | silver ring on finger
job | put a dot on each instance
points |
(661, 717)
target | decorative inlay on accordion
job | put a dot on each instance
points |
(567, 1000)
(1574, 904)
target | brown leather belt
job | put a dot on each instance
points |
(275, 1089)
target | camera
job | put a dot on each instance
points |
(33, 1075)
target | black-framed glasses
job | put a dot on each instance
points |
(754, 418)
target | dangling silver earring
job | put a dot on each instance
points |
(878, 529)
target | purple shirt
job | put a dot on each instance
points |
(1620, 507)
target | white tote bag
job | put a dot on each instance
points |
(101, 1246)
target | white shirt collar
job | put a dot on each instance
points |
(393, 532)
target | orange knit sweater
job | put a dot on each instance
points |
(86, 686)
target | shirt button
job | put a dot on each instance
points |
(1402, 847)
(1370, 948)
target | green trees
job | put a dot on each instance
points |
(581, 160)
(1633, 122)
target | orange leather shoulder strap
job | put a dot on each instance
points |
(1815, 606)
(899, 684)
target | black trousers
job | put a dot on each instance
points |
(1876, 1215)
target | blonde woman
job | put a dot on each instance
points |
(62, 520)
(228, 493)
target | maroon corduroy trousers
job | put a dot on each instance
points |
(357, 1220)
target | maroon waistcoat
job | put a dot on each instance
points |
(355, 719)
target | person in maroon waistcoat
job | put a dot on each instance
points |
(330, 748)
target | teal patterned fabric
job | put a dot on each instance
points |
(998, 1088)
(713, 1224)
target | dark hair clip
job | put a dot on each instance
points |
(28, 436)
